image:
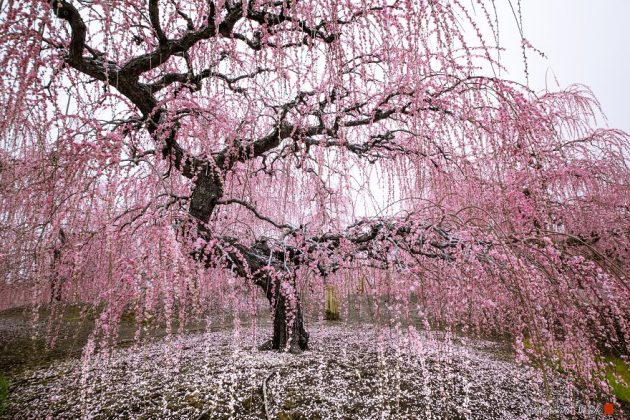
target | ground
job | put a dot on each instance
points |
(352, 371)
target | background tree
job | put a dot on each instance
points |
(153, 152)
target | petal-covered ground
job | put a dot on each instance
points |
(349, 373)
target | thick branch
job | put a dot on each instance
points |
(168, 48)
(256, 213)
(66, 11)
(154, 16)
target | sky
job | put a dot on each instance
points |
(585, 42)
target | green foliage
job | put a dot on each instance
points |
(617, 371)
(618, 377)
(4, 392)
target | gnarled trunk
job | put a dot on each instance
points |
(289, 333)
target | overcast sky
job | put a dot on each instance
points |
(586, 41)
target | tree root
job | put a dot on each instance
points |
(265, 397)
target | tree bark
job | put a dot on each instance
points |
(289, 333)
(273, 276)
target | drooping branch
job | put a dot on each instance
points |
(501, 184)
(208, 174)
(241, 150)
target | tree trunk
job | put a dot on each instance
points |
(288, 322)
(332, 304)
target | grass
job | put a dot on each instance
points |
(618, 377)
(4, 393)
(617, 372)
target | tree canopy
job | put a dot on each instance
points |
(160, 154)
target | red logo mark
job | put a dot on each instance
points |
(609, 409)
